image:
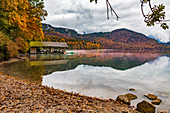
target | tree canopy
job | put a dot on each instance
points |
(156, 14)
(20, 22)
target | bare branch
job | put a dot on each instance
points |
(155, 16)
(150, 5)
(107, 9)
(142, 9)
(112, 10)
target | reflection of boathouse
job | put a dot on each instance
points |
(48, 47)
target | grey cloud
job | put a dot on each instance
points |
(69, 11)
(78, 17)
(80, 11)
(84, 16)
(125, 7)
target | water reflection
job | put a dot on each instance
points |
(118, 60)
(23, 70)
(102, 73)
(151, 77)
(44, 64)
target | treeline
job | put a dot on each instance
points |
(137, 45)
(20, 23)
(84, 45)
(73, 43)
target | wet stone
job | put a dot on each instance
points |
(151, 96)
(145, 107)
(162, 111)
(156, 101)
(124, 99)
(131, 96)
(132, 89)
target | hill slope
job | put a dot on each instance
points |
(68, 35)
(117, 39)
(47, 28)
(168, 43)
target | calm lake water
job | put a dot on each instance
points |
(100, 73)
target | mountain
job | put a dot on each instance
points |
(68, 32)
(158, 39)
(168, 43)
(155, 37)
(123, 39)
(117, 39)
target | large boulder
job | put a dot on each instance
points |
(145, 107)
(131, 96)
(151, 96)
(124, 99)
(156, 101)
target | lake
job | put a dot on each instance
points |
(100, 73)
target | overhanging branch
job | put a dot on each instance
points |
(156, 16)
(111, 10)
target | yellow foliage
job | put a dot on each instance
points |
(24, 23)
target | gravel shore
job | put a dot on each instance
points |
(17, 95)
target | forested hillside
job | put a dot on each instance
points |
(70, 36)
(125, 39)
(118, 39)
(20, 22)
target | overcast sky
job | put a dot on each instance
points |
(83, 16)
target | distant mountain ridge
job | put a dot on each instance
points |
(66, 31)
(168, 43)
(116, 39)
(153, 37)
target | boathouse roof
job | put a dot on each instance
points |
(48, 44)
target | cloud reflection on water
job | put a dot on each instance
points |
(106, 82)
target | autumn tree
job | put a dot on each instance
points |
(20, 22)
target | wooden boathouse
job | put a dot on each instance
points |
(37, 47)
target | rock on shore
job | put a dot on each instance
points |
(124, 99)
(20, 96)
(146, 107)
(156, 101)
(151, 96)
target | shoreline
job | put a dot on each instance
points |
(21, 96)
(72, 102)
(11, 60)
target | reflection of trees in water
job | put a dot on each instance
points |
(46, 57)
(46, 64)
(23, 70)
(168, 55)
(119, 61)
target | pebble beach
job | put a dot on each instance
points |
(18, 95)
